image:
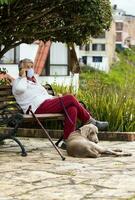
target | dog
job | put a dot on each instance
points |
(82, 143)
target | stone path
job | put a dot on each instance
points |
(42, 175)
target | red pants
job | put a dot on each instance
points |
(74, 111)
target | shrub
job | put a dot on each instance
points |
(110, 96)
(3, 81)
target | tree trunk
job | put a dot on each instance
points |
(73, 61)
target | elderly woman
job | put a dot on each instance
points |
(28, 91)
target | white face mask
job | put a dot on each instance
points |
(30, 73)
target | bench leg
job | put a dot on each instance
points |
(24, 153)
(1, 142)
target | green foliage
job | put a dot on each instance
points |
(60, 90)
(3, 70)
(3, 81)
(110, 96)
(109, 103)
(6, 1)
(65, 21)
(129, 56)
(127, 52)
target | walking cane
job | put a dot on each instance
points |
(34, 116)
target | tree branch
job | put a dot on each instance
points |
(8, 47)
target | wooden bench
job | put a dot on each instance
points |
(11, 115)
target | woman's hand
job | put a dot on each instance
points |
(6, 77)
(59, 95)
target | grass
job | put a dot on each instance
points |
(110, 96)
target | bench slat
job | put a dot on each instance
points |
(47, 115)
(52, 115)
(5, 87)
(5, 92)
(7, 99)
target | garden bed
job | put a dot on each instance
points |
(119, 136)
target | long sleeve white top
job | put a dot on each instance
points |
(29, 93)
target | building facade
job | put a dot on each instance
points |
(125, 28)
(100, 52)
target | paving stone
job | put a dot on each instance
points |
(42, 175)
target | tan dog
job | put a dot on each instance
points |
(82, 143)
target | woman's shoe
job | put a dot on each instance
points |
(101, 125)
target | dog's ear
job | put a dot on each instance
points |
(92, 136)
(93, 128)
(84, 130)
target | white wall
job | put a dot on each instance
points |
(103, 66)
(28, 51)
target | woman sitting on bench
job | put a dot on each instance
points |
(28, 91)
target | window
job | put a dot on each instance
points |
(82, 47)
(119, 26)
(119, 37)
(98, 47)
(12, 56)
(85, 47)
(57, 62)
(84, 59)
(97, 59)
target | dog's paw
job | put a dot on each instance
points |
(98, 155)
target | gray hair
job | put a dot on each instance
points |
(23, 62)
